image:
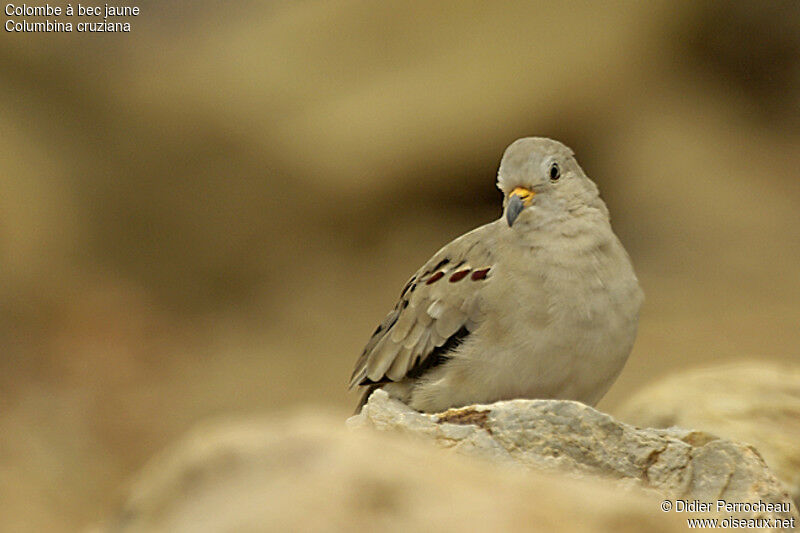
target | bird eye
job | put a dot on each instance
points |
(555, 172)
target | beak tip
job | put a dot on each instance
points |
(513, 209)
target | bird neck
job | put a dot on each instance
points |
(579, 227)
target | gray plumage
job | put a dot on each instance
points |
(541, 303)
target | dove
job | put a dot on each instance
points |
(542, 303)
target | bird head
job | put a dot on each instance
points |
(542, 182)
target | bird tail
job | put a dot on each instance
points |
(364, 397)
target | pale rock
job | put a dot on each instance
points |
(311, 474)
(754, 402)
(570, 437)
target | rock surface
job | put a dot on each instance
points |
(311, 474)
(757, 403)
(566, 436)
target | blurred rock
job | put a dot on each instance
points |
(310, 474)
(571, 437)
(751, 46)
(754, 402)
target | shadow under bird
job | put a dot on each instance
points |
(541, 303)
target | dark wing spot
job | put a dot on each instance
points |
(436, 277)
(458, 276)
(410, 286)
(480, 274)
(386, 325)
(442, 263)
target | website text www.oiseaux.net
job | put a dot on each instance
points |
(732, 522)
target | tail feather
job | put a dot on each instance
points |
(364, 397)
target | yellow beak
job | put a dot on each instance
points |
(517, 201)
(526, 195)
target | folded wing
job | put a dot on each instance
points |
(438, 307)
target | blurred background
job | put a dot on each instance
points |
(208, 216)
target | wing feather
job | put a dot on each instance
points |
(413, 336)
(400, 364)
(440, 302)
(404, 324)
(383, 355)
(451, 321)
